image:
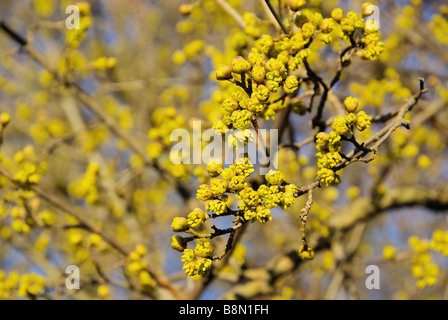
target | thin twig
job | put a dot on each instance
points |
(277, 17)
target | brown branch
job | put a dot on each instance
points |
(304, 218)
(374, 142)
(343, 57)
(364, 209)
(360, 211)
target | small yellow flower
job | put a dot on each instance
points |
(223, 72)
(275, 177)
(337, 14)
(178, 243)
(4, 119)
(196, 218)
(103, 292)
(306, 253)
(351, 104)
(240, 65)
(340, 125)
(291, 85)
(389, 252)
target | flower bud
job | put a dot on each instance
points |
(230, 105)
(326, 26)
(306, 253)
(367, 9)
(240, 65)
(196, 218)
(214, 167)
(291, 85)
(258, 74)
(179, 224)
(262, 93)
(275, 65)
(272, 85)
(141, 249)
(296, 5)
(351, 104)
(83, 7)
(178, 243)
(223, 73)
(4, 119)
(337, 14)
(104, 63)
(112, 62)
(274, 177)
(186, 9)
(340, 126)
(299, 107)
(351, 119)
(363, 121)
(203, 249)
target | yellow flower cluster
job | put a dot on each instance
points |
(190, 51)
(31, 285)
(350, 24)
(375, 91)
(87, 187)
(75, 37)
(423, 269)
(197, 268)
(258, 85)
(340, 126)
(196, 218)
(164, 121)
(373, 46)
(329, 146)
(253, 205)
(344, 125)
(203, 249)
(4, 121)
(26, 286)
(265, 70)
(19, 223)
(439, 25)
(137, 267)
(260, 76)
(44, 8)
(45, 128)
(30, 170)
(8, 284)
(197, 262)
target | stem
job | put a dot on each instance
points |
(304, 217)
(277, 17)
